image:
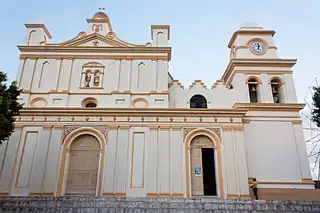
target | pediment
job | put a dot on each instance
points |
(94, 40)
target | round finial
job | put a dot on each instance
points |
(100, 14)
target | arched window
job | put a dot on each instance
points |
(198, 101)
(89, 103)
(253, 90)
(276, 90)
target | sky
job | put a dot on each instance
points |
(200, 30)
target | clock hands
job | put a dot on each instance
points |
(258, 46)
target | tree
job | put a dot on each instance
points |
(316, 105)
(9, 107)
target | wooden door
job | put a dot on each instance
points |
(197, 144)
(83, 166)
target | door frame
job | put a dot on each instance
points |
(215, 140)
(65, 158)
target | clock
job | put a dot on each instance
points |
(258, 48)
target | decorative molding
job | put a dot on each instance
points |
(186, 131)
(198, 81)
(104, 131)
(245, 121)
(217, 131)
(296, 122)
(67, 130)
(70, 129)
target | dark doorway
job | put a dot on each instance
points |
(209, 177)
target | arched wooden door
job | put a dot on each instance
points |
(83, 166)
(203, 176)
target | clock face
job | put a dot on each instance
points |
(258, 48)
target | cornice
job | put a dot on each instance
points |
(57, 52)
(46, 49)
(86, 92)
(133, 111)
(115, 57)
(289, 107)
(249, 32)
(256, 62)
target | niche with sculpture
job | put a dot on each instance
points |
(92, 75)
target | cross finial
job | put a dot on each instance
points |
(101, 8)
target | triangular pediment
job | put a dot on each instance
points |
(93, 40)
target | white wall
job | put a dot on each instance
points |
(270, 146)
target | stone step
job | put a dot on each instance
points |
(85, 204)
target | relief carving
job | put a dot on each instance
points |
(68, 130)
(217, 131)
(104, 132)
(186, 131)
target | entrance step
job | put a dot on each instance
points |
(85, 204)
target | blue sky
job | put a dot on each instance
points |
(200, 30)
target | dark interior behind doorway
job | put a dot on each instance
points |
(208, 166)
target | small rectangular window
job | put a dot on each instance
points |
(57, 101)
(158, 101)
(120, 101)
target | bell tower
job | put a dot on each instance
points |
(252, 41)
(99, 23)
(255, 70)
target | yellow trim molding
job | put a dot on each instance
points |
(281, 81)
(289, 107)
(296, 122)
(33, 101)
(252, 62)
(253, 77)
(249, 32)
(198, 81)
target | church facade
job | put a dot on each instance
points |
(104, 117)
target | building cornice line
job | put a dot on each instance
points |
(23, 48)
(292, 107)
(253, 62)
(249, 32)
(134, 111)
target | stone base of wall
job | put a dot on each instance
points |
(289, 194)
(85, 204)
